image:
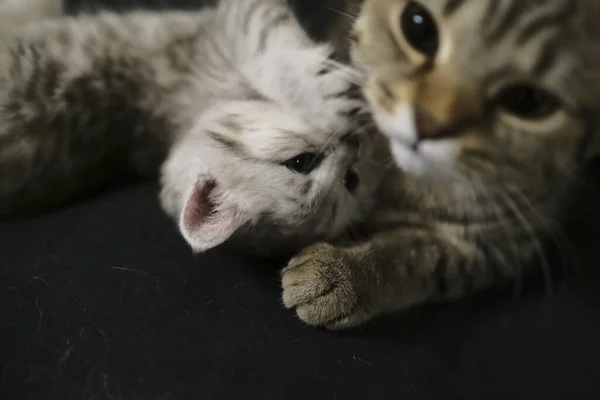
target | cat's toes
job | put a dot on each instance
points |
(320, 286)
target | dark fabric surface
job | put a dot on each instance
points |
(103, 300)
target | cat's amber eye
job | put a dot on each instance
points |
(527, 101)
(420, 29)
(302, 163)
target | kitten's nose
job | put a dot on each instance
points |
(429, 127)
(351, 180)
(351, 139)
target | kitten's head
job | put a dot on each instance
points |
(482, 95)
(255, 173)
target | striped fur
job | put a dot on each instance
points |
(471, 208)
(89, 99)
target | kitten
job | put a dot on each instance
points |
(252, 172)
(486, 105)
(85, 100)
(15, 13)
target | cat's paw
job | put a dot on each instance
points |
(320, 285)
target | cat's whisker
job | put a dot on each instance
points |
(546, 224)
(351, 72)
(500, 212)
(512, 244)
(352, 17)
(474, 204)
(556, 234)
(445, 168)
(537, 244)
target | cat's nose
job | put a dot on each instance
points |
(429, 127)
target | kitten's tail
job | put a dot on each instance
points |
(16, 13)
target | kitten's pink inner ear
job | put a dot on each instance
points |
(203, 223)
(199, 206)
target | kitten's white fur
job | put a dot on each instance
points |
(244, 89)
(14, 13)
(268, 205)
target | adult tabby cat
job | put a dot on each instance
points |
(256, 112)
(486, 105)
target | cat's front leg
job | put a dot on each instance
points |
(282, 63)
(341, 287)
(321, 284)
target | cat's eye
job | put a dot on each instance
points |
(420, 29)
(302, 163)
(527, 101)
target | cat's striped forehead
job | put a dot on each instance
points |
(555, 42)
(493, 22)
(496, 18)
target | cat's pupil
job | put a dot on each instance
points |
(527, 101)
(302, 163)
(419, 29)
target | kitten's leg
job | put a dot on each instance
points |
(340, 287)
(283, 64)
(75, 115)
(16, 13)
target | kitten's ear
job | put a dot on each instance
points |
(203, 223)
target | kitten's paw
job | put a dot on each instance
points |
(320, 284)
(339, 102)
(329, 97)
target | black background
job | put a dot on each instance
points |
(103, 300)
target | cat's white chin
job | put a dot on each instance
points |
(433, 159)
(429, 160)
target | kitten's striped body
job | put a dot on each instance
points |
(479, 180)
(91, 98)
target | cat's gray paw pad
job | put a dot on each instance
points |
(319, 284)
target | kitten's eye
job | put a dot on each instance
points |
(419, 29)
(527, 101)
(302, 163)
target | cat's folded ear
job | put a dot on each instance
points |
(203, 223)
